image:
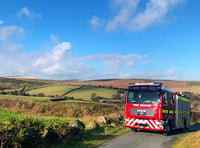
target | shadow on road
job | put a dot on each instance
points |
(192, 128)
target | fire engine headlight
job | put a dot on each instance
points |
(127, 120)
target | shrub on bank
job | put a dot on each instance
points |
(32, 133)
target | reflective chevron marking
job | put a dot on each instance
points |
(130, 122)
(134, 123)
(152, 124)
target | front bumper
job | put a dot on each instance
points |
(146, 124)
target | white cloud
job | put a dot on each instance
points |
(7, 33)
(114, 60)
(170, 74)
(53, 69)
(9, 37)
(125, 12)
(1, 22)
(27, 13)
(73, 67)
(95, 21)
(128, 14)
(55, 55)
(155, 11)
(54, 38)
(59, 63)
(11, 47)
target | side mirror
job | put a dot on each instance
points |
(124, 97)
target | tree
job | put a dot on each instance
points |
(116, 96)
(93, 96)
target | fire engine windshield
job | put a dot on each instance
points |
(146, 97)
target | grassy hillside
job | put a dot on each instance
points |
(86, 92)
(10, 84)
(57, 90)
(7, 83)
(191, 140)
(193, 89)
(192, 86)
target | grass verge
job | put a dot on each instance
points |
(191, 140)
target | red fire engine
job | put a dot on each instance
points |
(150, 106)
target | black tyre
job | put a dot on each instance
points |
(185, 124)
(134, 130)
(168, 130)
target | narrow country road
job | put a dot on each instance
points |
(145, 139)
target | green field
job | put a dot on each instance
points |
(86, 91)
(56, 90)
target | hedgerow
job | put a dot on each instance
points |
(32, 133)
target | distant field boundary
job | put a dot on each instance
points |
(72, 90)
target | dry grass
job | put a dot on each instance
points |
(123, 83)
(193, 89)
(61, 109)
(191, 140)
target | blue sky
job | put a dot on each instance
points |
(69, 39)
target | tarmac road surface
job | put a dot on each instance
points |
(146, 139)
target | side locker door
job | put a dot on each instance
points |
(188, 112)
(165, 106)
(177, 112)
(180, 112)
(174, 109)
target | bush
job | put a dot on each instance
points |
(27, 131)
(116, 96)
(32, 134)
(6, 136)
(120, 91)
(50, 135)
(96, 98)
(66, 133)
(93, 96)
(41, 95)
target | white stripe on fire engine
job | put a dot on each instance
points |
(152, 122)
(142, 122)
(134, 122)
(130, 122)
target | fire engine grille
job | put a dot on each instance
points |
(143, 112)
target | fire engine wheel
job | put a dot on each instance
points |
(168, 130)
(134, 130)
(185, 125)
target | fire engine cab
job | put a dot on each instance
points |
(150, 106)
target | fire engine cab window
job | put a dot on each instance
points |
(146, 97)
